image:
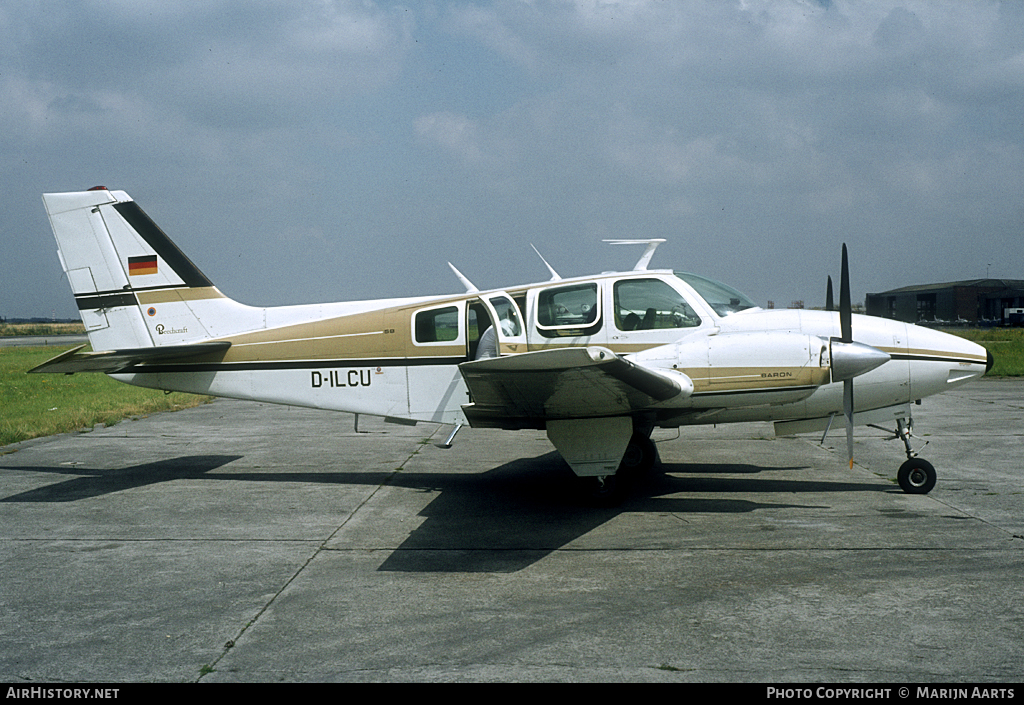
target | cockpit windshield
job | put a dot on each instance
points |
(724, 300)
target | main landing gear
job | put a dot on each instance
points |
(610, 490)
(916, 476)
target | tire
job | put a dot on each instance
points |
(916, 476)
(611, 490)
(640, 456)
(606, 491)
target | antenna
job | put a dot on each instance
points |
(554, 275)
(645, 258)
(470, 287)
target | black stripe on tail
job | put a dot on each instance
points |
(158, 240)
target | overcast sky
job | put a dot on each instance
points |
(314, 151)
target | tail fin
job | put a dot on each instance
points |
(134, 287)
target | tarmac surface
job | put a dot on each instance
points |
(247, 542)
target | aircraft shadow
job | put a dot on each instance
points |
(510, 517)
(95, 483)
(501, 520)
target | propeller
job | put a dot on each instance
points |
(846, 333)
(849, 359)
(829, 303)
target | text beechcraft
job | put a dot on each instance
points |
(597, 362)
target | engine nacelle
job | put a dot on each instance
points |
(746, 361)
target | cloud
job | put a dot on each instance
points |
(549, 121)
(220, 63)
(455, 133)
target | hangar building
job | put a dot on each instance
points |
(976, 301)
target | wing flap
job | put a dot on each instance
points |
(523, 391)
(110, 361)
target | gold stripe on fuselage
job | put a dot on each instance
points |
(938, 355)
(379, 334)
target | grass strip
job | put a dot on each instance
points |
(46, 404)
(24, 329)
(1006, 345)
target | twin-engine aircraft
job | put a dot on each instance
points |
(597, 362)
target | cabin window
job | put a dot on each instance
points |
(651, 304)
(568, 311)
(439, 325)
(508, 315)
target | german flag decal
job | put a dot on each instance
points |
(142, 265)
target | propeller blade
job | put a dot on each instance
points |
(829, 303)
(846, 330)
(845, 308)
(848, 412)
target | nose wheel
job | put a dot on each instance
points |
(917, 475)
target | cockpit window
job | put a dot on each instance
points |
(651, 304)
(724, 300)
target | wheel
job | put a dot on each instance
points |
(604, 491)
(640, 456)
(916, 476)
(611, 490)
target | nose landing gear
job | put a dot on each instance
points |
(916, 475)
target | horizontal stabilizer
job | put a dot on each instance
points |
(521, 391)
(110, 361)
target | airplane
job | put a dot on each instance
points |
(597, 362)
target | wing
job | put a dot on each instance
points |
(109, 361)
(524, 391)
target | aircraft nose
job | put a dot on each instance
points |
(990, 362)
(940, 361)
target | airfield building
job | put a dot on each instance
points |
(975, 302)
